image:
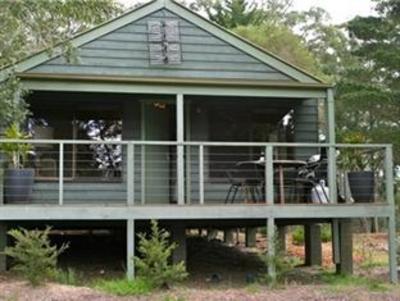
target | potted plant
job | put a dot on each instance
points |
(358, 165)
(18, 180)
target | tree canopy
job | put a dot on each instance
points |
(27, 26)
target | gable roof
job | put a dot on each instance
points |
(236, 41)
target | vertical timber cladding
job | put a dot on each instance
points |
(164, 42)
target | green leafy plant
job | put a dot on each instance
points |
(153, 264)
(34, 256)
(298, 234)
(125, 287)
(282, 261)
(14, 109)
(16, 152)
(326, 233)
(357, 159)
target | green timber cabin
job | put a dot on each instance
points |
(160, 105)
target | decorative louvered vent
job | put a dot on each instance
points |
(164, 42)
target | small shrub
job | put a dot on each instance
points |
(326, 233)
(34, 257)
(154, 265)
(125, 287)
(298, 236)
(283, 262)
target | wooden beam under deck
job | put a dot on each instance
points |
(190, 212)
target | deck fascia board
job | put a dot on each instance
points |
(190, 212)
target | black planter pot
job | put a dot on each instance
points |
(362, 186)
(18, 184)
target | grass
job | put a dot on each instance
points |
(337, 283)
(125, 287)
(67, 276)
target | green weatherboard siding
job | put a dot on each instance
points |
(124, 52)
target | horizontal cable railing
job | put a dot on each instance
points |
(169, 172)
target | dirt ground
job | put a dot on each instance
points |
(11, 290)
(233, 265)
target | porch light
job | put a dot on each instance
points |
(160, 105)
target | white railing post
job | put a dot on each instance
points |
(269, 175)
(201, 174)
(61, 175)
(332, 183)
(143, 174)
(389, 184)
(180, 149)
(130, 165)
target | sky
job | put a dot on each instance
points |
(340, 10)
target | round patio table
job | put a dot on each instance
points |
(281, 164)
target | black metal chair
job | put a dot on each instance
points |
(312, 174)
(246, 179)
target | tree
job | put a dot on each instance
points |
(27, 26)
(281, 41)
(230, 13)
(328, 43)
(369, 92)
(35, 258)
(378, 42)
(12, 109)
(154, 265)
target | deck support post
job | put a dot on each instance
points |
(392, 249)
(180, 161)
(3, 244)
(178, 236)
(130, 241)
(212, 233)
(312, 244)
(392, 218)
(229, 236)
(330, 116)
(271, 248)
(281, 238)
(345, 264)
(251, 237)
